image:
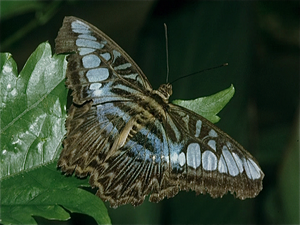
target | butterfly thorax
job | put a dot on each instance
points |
(153, 105)
(164, 91)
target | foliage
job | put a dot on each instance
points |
(33, 112)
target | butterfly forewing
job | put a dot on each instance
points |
(100, 70)
(130, 140)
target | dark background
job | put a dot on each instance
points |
(259, 40)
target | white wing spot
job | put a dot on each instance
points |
(116, 54)
(212, 144)
(106, 56)
(247, 169)
(198, 128)
(213, 133)
(232, 167)
(132, 76)
(95, 86)
(91, 61)
(89, 44)
(80, 27)
(222, 165)
(193, 155)
(238, 161)
(95, 75)
(84, 51)
(254, 169)
(209, 161)
(123, 66)
(181, 159)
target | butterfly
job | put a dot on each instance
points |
(130, 140)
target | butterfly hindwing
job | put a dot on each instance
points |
(130, 140)
(219, 162)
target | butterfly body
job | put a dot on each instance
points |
(131, 140)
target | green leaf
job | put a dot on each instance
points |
(210, 106)
(46, 192)
(33, 112)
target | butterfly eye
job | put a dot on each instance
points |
(131, 140)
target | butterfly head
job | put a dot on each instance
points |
(164, 91)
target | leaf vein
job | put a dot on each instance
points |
(29, 108)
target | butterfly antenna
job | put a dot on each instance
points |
(167, 51)
(201, 71)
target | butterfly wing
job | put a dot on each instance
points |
(130, 141)
(210, 160)
(100, 70)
